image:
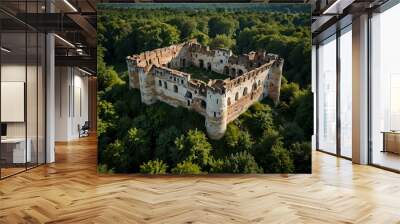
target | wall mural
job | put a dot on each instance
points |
(204, 88)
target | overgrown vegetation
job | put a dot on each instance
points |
(161, 139)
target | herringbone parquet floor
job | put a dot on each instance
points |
(70, 191)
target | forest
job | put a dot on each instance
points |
(161, 139)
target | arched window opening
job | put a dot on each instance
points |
(229, 101)
(188, 94)
(233, 71)
(159, 83)
(183, 62)
(237, 96)
(203, 104)
(201, 63)
(254, 86)
(245, 91)
(240, 72)
(226, 70)
(175, 88)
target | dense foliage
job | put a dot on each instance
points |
(161, 139)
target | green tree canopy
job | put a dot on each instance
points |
(186, 25)
(194, 147)
(220, 25)
(221, 41)
(240, 162)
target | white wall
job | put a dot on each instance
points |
(12, 73)
(71, 102)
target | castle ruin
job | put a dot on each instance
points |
(249, 78)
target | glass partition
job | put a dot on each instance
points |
(14, 154)
(22, 77)
(346, 92)
(327, 95)
(385, 89)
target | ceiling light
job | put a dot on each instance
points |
(5, 50)
(338, 6)
(65, 41)
(70, 5)
(326, 11)
(86, 72)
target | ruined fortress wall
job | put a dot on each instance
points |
(171, 56)
(161, 56)
(174, 88)
(235, 70)
(240, 94)
(245, 93)
(181, 59)
(170, 87)
(214, 60)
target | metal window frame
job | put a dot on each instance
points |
(338, 33)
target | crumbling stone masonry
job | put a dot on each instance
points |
(249, 78)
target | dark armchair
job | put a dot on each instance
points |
(84, 129)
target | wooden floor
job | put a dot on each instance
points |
(387, 159)
(70, 191)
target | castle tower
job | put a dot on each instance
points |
(216, 114)
(147, 89)
(274, 81)
(141, 77)
(133, 74)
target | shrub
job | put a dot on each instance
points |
(186, 167)
(102, 168)
(241, 162)
(279, 160)
(154, 167)
(301, 154)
